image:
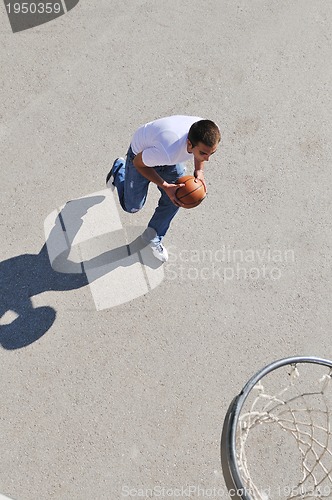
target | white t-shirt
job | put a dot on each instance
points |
(164, 141)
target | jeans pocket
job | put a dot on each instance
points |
(180, 170)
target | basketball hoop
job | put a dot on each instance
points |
(277, 437)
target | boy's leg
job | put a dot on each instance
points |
(131, 185)
(166, 209)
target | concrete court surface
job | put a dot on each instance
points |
(118, 402)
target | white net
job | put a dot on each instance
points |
(284, 435)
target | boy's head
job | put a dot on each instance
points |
(203, 139)
(205, 131)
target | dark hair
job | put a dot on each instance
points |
(205, 131)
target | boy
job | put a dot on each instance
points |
(156, 154)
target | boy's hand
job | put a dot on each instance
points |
(170, 190)
(200, 175)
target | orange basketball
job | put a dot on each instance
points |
(192, 193)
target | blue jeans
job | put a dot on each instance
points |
(133, 188)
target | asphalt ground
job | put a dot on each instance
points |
(104, 398)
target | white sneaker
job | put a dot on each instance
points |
(159, 251)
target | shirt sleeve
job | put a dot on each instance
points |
(155, 156)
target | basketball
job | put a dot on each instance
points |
(192, 193)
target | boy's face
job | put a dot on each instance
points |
(201, 152)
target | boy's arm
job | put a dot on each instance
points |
(152, 176)
(199, 172)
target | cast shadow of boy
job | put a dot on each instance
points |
(25, 276)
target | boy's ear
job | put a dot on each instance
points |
(189, 145)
